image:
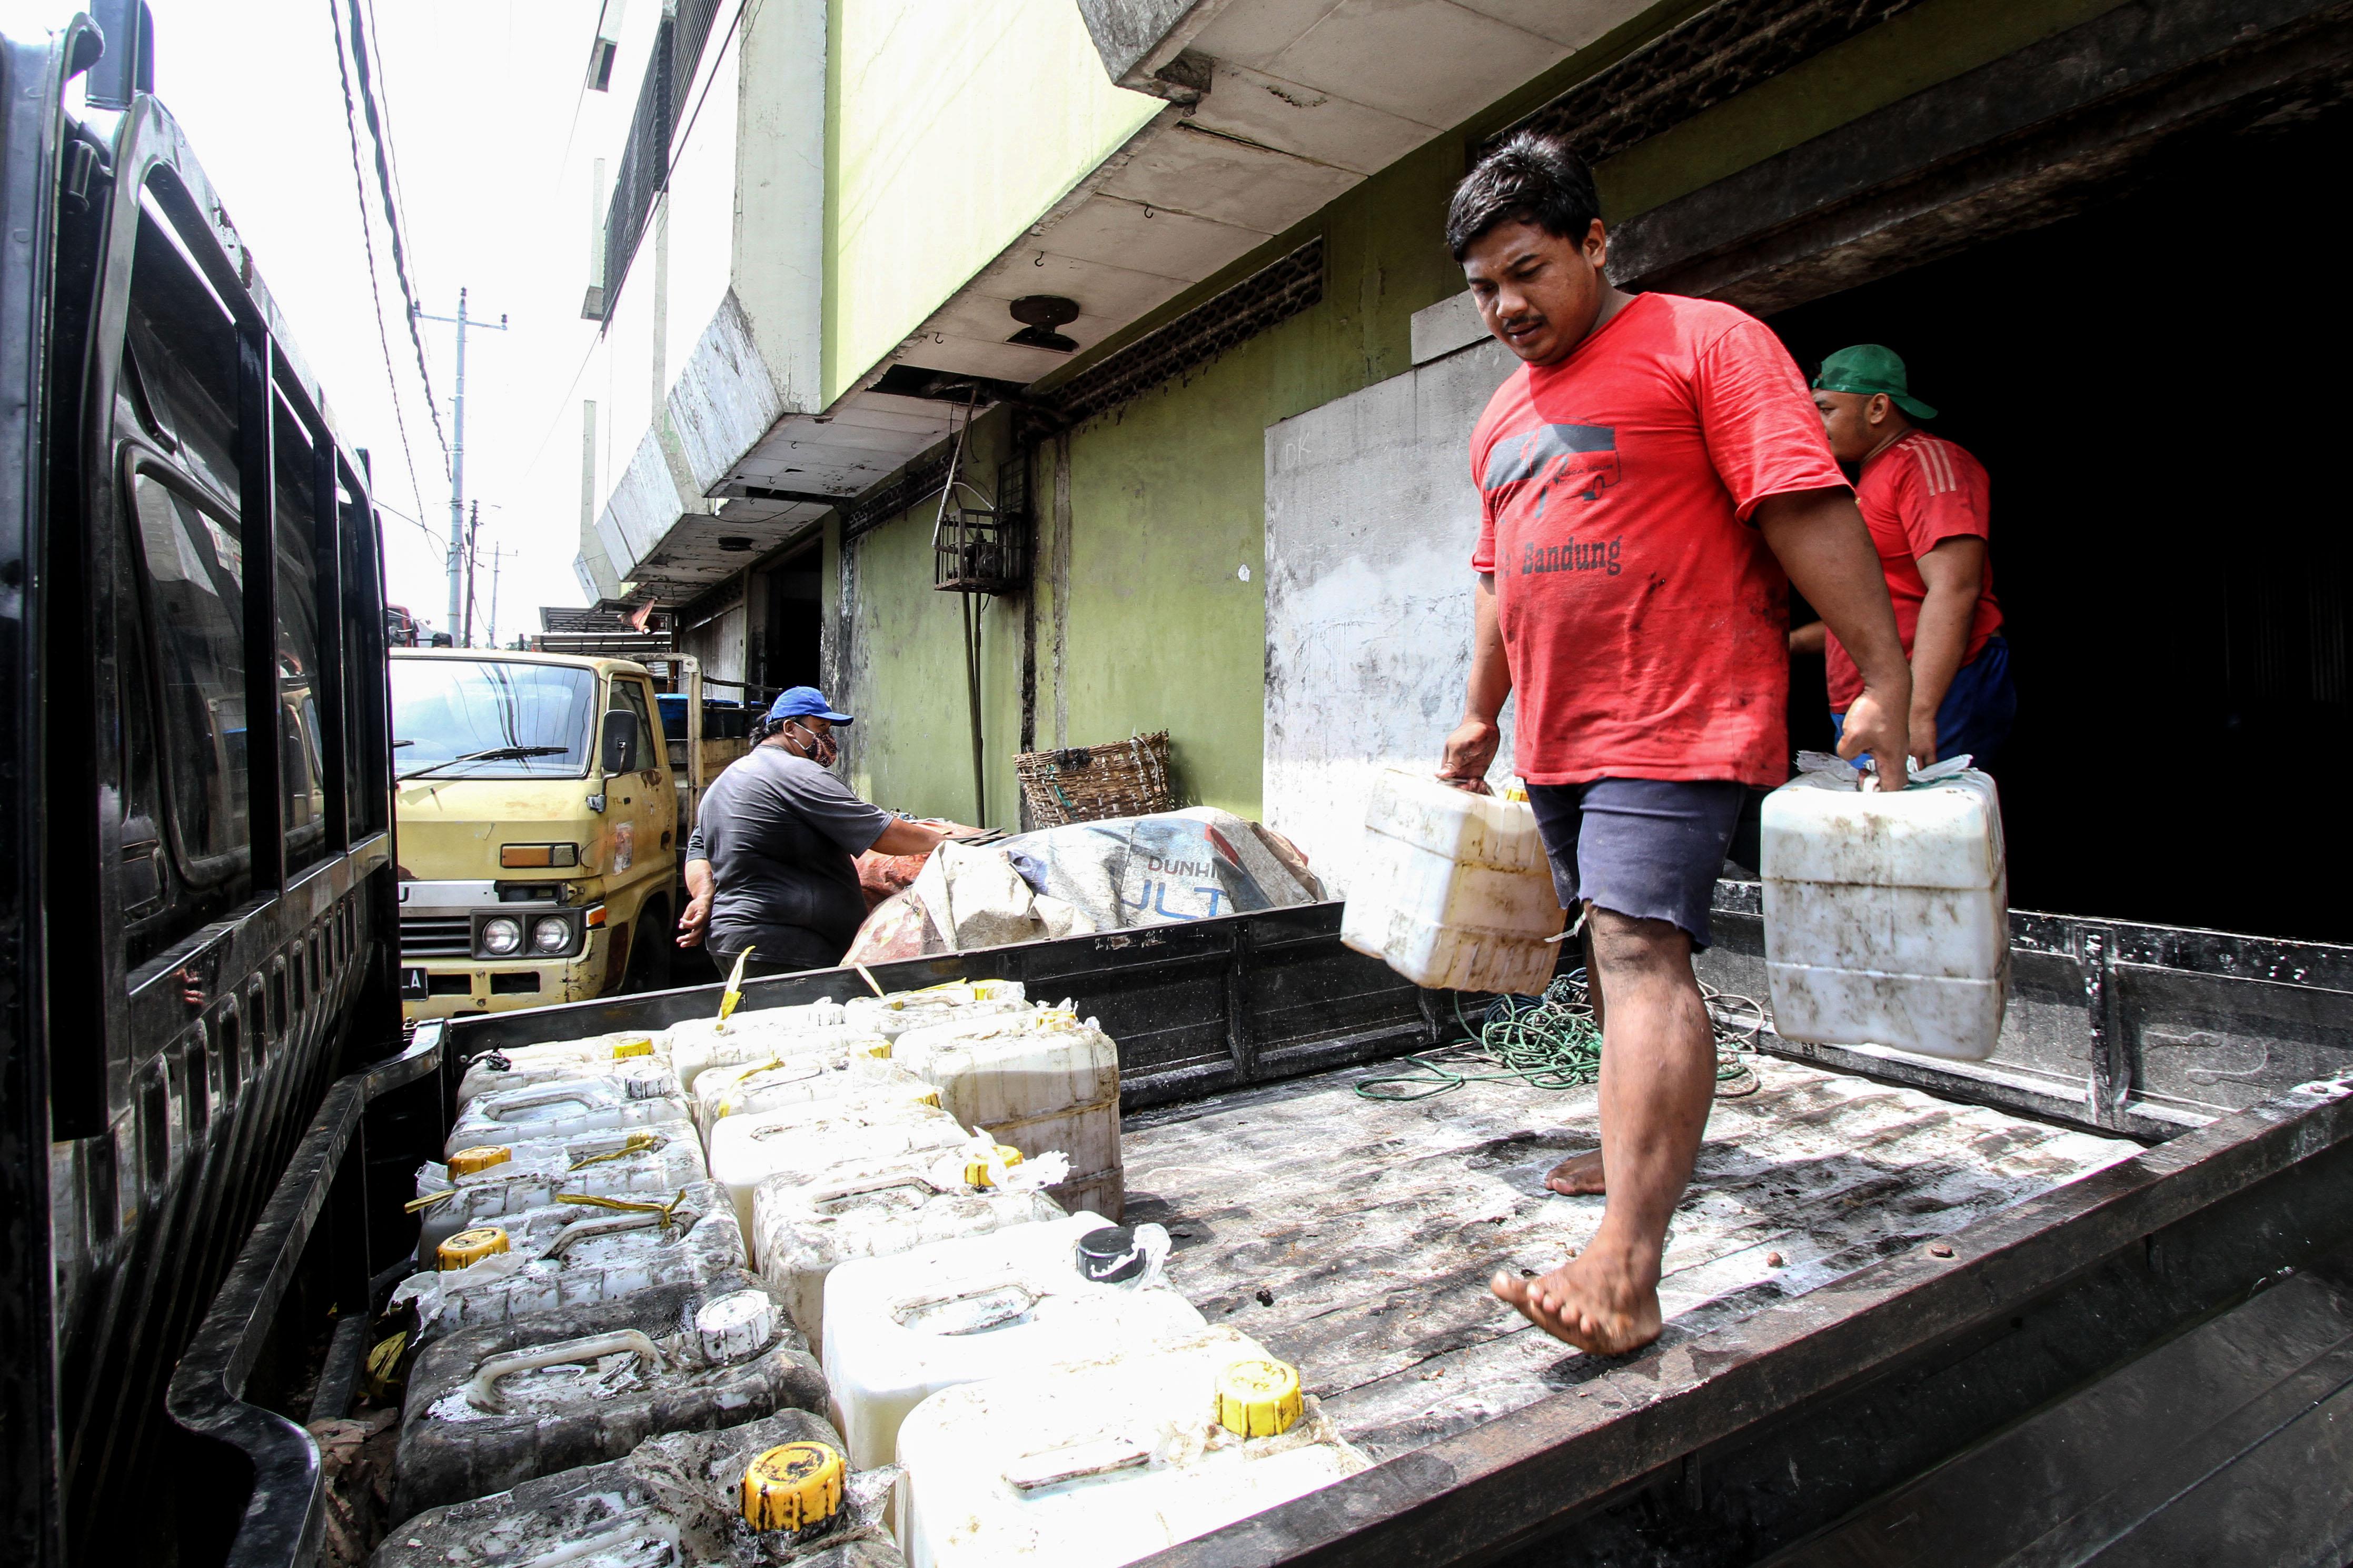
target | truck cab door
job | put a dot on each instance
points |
(642, 806)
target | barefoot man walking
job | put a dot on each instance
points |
(1652, 478)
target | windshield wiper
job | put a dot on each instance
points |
(495, 754)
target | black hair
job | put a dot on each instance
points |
(1529, 178)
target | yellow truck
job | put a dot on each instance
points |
(542, 803)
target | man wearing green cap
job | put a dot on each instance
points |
(1926, 504)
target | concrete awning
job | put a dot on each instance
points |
(1275, 107)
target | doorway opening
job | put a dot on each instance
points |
(2158, 387)
(793, 633)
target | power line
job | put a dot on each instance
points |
(392, 219)
(392, 138)
(367, 243)
(439, 542)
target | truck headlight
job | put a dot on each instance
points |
(551, 933)
(502, 937)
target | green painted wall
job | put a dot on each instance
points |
(898, 659)
(951, 126)
(1142, 619)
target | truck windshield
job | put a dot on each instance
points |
(491, 719)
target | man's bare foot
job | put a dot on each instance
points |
(1593, 1303)
(1578, 1176)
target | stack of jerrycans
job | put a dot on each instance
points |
(581, 1183)
(594, 1343)
(831, 1151)
(1041, 1079)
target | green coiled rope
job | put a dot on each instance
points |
(1551, 1042)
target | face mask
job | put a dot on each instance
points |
(822, 750)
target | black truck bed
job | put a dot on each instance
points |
(1355, 1237)
(1966, 1249)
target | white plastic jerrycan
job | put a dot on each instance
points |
(804, 1141)
(1101, 1462)
(900, 1328)
(484, 1184)
(747, 1035)
(1452, 888)
(562, 1108)
(897, 1012)
(805, 1229)
(1887, 912)
(624, 1054)
(1039, 1079)
(772, 1493)
(792, 1079)
(571, 1253)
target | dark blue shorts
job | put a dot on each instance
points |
(1978, 707)
(1651, 848)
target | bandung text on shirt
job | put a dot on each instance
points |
(1570, 556)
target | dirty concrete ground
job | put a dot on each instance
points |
(1355, 1237)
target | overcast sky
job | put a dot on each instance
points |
(481, 95)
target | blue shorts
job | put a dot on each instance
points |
(1978, 707)
(1651, 848)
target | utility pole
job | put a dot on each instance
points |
(473, 534)
(458, 458)
(498, 558)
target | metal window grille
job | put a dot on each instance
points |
(663, 97)
(645, 168)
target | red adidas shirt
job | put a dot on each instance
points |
(1644, 621)
(1915, 495)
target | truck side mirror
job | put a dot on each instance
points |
(623, 741)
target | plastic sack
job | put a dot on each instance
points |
(1187, 865)
(965, 898)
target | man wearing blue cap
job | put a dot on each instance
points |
(772, 865)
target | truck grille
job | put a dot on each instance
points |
(436, 936)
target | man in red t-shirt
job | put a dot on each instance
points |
(1652, 478)
(1926, 504)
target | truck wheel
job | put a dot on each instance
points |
(649, 950)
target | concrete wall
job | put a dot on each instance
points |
(1370, 521)
(952, 126)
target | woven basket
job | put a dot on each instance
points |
(1087, 784)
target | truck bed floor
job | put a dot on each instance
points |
(1355, 1237)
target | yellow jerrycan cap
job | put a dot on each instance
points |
(976, 1169)
(467, 1162)
(1258, 1398)
(635, 1046)
(793, 1487)
(469, 1248)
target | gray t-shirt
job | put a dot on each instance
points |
(782, 835)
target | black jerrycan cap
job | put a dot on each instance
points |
(1111, 1256)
